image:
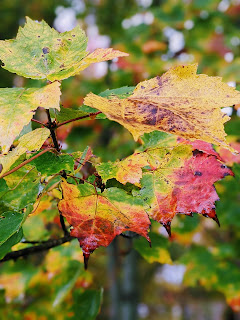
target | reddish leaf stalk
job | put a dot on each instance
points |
(78, 118)
(39, 122)
(26, 162)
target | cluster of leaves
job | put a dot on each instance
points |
(167, 175)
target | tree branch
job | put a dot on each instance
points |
(26, 162)
(79, 118)
(52, 126)
(66, 233)
(44, 246)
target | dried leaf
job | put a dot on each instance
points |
(179, 102)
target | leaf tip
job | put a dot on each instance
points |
(86, 259)
(215, 218)
(167, 226)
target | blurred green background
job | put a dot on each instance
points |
(196, 274)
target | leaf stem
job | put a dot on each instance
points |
(45, 245)
(39, 122)
(26, 162)
(52, 126)
(79, 118)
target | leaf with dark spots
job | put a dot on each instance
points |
(187, 104)
(97, 218)
(183, 188)
(172, 180)
(42, 57)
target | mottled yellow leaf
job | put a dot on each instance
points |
(29, 142)
(179, 102)
(17, 106)
(41, 52)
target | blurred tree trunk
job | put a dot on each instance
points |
(123, 293)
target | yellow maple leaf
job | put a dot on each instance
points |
(179, 102)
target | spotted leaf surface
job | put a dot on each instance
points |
(179, 102)
(97, 218)
(17, 107)
(40, 52)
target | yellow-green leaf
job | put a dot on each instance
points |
(29, 142)
(179, 102)
(17, 106)
(41, 52)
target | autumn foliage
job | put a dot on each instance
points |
(97, 201)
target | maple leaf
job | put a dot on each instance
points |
(40, 52)
(17, 106)
(173, 180)
(29, 142)
(98, 218)
(179, 102)
(185, 186)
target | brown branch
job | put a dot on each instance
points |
(44, 246)
(39, 122)
(79, 118)
(64, 228)
(26, 162)
(52, 126)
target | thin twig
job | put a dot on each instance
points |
(44, 246)
(79, 118)
(26, 162)
(66, 233)
(39, 122)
